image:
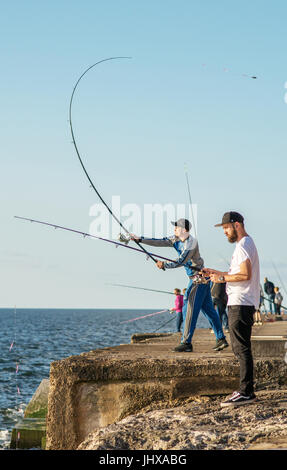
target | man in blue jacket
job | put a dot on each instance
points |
(197, 296)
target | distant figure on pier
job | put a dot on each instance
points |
(178, 308)
(278, 301)
(257, 315)
(269, 290)
(262, 307)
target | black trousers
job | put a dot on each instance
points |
(240, 320)
(277, 309)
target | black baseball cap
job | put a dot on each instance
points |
(184, 223)
(230, 217)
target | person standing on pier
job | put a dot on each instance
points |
(278, 301)
(197, 296)
(178, 304)
(243, 290)
(269, 290)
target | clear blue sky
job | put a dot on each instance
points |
(136, 123)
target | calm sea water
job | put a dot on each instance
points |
(30, 339)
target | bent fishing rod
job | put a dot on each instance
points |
(124, 239)
(117, 244)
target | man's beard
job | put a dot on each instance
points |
(232, 238)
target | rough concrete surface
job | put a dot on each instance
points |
(200, 424)
(37, 407)
(103, 391)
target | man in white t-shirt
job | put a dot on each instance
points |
(243, 290)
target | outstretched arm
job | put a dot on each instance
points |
(152, 241)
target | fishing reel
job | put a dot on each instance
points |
(123, 238)
(200, 279)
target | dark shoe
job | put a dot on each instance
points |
(238, 399)
(184, 347)
(220, 344)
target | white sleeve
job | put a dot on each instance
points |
(242, 255)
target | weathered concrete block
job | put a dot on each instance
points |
(139, 337)
(28, 433)
(101, 387)
(98, 388)
(268, 347)
(100, 404)
(38, 406)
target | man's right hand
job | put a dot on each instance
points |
(209, 271)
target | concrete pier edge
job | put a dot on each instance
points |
(103, 386)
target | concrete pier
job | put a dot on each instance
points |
(30, 432)
(101, 387)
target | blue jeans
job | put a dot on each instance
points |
(179, 320)
(198, 297)
(271, 298)
(277, 309)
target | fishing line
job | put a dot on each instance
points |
(13, 349)
(189, 195)
(230, 71)
(276, 270)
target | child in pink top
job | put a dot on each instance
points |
(178, 308)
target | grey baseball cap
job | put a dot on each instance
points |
(184, 223)
(230, 217)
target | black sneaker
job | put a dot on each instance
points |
(184, 347)
(238, 399)
(220, 344)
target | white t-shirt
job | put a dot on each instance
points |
(244, 292)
